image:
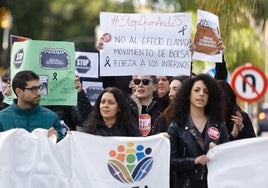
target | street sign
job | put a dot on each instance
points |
(249, 83)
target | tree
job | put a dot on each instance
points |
(242, 42)
(260, 13)
(68, 20)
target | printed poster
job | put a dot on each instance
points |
(54, 63)
(93, 90)
(87, 64)
(207, 37)
(151, 44)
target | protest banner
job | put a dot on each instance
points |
(240, 164)
(31, 160)
(87, 64)
(207, 37)
(152, 44)
(53, 61)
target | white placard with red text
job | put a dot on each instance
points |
(152, 44)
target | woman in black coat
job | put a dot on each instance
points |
(238, 122)
(197, 125)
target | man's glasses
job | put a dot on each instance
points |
(144, 81)
(34, 89)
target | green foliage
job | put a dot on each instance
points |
(79, 20)
(261, 13)
(75, 21)
(245, 47)
(28, 17)
(66, 20)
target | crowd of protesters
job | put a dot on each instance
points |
(187, 108)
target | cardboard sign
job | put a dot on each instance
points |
(152, 44)
(207, 37)
(54, 63)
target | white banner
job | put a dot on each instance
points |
(80, 160)
(151, 44)
(239, 164)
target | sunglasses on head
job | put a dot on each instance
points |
(144, 81)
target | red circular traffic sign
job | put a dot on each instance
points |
(249, 83)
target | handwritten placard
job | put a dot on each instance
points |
(53, 61)
(152, 44)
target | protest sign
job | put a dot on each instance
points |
(207, 37)
(152, 44)
(92, 89)
(53, 62)
(81, 160)
(87, 64)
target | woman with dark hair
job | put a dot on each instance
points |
(197, 125)
(238, 123)
(163, 121)
(111, 115)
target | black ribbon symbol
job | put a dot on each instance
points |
(107, 62)
(55, 76)
(183, 29)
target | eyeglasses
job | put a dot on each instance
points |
(34, 89)
(144, 81)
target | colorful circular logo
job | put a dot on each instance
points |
(130, 164)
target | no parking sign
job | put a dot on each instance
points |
(249, 83)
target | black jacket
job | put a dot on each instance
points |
(246, 132)
(153, 109)
(74, 115)
(221, 70)
(185, 148)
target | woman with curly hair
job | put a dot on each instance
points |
(197, 125)
(111, 115)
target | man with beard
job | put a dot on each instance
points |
(25, 112)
